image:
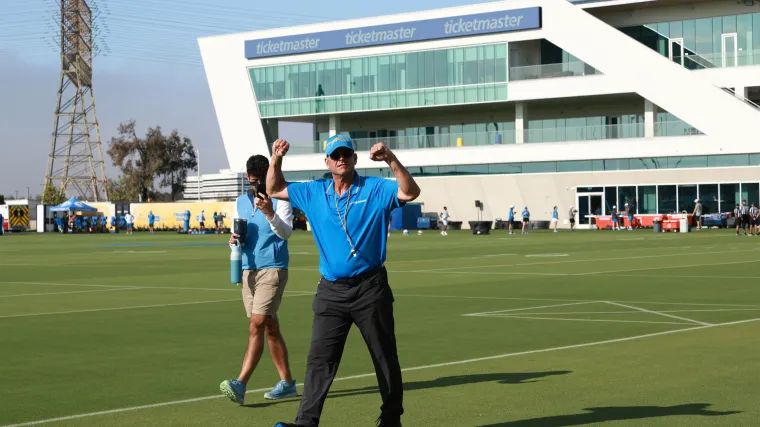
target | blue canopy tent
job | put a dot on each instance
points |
(73, 205)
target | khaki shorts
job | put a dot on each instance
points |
(262, 290)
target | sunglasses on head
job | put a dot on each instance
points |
(341, 153)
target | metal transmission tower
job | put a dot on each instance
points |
(75, 164)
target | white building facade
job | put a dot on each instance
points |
(536, 103)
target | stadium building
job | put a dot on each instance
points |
(523, 102)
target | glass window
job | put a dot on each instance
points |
(589, 189)
(610, 199)
(505, 168)
(574, 166)
(539, 167)
(708, 196)
(626, 195)
(750, 192)
(666, 199)
(729, 197)
(647, 200)
(728, 160)
(686, 196)
(472, 169)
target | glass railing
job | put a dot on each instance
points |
(465, 139)
(408, 98)
(548, 71)
(600, 132)
(675, 128)
(696, 61)
(585, 133)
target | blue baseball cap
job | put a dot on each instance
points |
(338, 141)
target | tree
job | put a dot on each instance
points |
(121, 191)
(143, 160)
(53, 195)
(179, 157)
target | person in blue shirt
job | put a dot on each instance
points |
(349, 216)
(511, 219)
(2, 225)
(526, 220)
(265, 274)
(555, 218)
(151, 221)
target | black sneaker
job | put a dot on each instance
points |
(385, 420)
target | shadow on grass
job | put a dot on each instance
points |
(502, 378)
(615, 413)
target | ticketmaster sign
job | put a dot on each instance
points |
(404, 32)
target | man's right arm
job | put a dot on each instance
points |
(276, 184)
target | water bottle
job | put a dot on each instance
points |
(236, 263)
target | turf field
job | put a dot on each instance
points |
(543, 330)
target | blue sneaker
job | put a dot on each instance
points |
(282, 390)
(233, 389)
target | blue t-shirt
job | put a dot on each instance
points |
(555, 214)
(526, 213)
(367, 219)
(151, 218)
(511, 214)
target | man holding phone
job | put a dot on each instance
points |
(265, 274)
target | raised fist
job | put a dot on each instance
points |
(379, 152)
(280, 148)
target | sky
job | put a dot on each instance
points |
(147, 68)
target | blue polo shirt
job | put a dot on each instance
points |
(369, 201)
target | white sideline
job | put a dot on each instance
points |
(511, 310)
(234, 288)
(659, 313)
(66, 293)
(528, 316)
(416, 368)
(667, 267)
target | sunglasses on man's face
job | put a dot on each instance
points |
(341, 153)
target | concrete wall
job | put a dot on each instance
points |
(541, 192)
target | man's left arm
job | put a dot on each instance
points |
(408, 190)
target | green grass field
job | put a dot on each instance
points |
(543, 330)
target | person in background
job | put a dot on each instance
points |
(571, 215)
(555, 218)
(614, 216)
(151, 220)
(698, 214)
(202, 219)
(2, 225)
(130, 220)
(265, 275)
(216, 223)
(629, 211)
(511, 219)
(526, 220)
(445, 221)
(738, 218)
(753, 219)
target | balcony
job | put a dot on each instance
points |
(548, 71)
(600, 132)
(695, 61)
(474, 139)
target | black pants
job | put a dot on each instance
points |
(368, 302)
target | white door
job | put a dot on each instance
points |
(675, 51)
(729, 50)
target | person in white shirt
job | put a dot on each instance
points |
(130, 220)
(445, 221)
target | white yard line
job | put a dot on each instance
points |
(659, 313)
(227, 289)
(582, 260)
(519, 316)
(66, 293)
(573, 300)
(528, 308)
(133, 307)
(372, 375)
(668, 267)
